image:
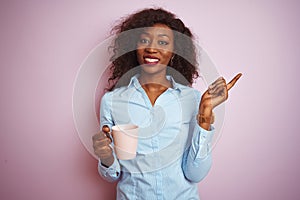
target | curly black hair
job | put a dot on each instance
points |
(124, 47)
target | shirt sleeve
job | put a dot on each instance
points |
(197, 158)
(112, 173)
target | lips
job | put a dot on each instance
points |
(151, 60)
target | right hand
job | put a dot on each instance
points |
(102, 149)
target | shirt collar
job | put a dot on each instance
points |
(134, 82)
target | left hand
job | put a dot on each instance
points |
(216, 94)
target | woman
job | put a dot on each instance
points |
(175, 121)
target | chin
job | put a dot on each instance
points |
(154, 69)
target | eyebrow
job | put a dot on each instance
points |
(160, 35)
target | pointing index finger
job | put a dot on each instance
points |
(233, 81)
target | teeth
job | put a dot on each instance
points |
(151, 60)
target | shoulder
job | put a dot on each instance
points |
(108, 96)
(190, 91)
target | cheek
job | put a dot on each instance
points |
(167, 55)
(139, 55)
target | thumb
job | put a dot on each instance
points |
(105, 129)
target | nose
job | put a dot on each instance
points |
(151, 48)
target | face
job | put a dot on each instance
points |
(154, 48)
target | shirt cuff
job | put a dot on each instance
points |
(201, 142)
(110, 173)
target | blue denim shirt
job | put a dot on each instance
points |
(174, 152)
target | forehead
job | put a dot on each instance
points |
(158, 30)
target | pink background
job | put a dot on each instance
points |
(43, 44)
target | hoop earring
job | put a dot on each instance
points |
(171, 61)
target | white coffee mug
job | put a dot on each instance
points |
(125, 140)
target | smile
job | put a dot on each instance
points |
(151, 60)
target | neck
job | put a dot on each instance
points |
(154, 81)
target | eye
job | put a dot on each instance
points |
(144, 41)
(161, 42)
